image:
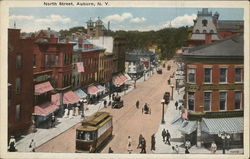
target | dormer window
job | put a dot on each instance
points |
(211, 31)
(204, 22)
(204, 31)
(197, 31)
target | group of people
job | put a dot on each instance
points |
(166, 136)
(141, 144)
(145, 109)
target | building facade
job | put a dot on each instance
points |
(20, 83)
(214, 94)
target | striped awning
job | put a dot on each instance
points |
(68, 98)
(228, 125)
(187, 127)
(45, 109)
(80, 93)
(43, 88)
(93, 90)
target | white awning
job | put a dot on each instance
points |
(228, 125)
(187, 127)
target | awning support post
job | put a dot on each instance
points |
(198, 142)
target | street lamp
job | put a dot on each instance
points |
(224, 136)
(162, 120)
(172, 86)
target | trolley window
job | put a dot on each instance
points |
(86, 135)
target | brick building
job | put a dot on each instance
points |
(52, 54)
(20, 83)
(214, 92)
(119, 50)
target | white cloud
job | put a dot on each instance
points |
(138, 20)
(21, 17)
(117, 17)
(181, 21)
(54, 18)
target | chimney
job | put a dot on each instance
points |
(80, 42)
(208, 38)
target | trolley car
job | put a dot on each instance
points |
(94, 132)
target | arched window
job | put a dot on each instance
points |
(204, 31)
(211, 31)
(204, 22)
(197, 31)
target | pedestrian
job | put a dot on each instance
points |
(188, 144)
(143, 143)
(137, 104)
(110, 150)
(105, 103)
(213, 147)
(168, 137)
(53, 120)
(168, 81)
(176, 149)
(153, 142)
(186, 150)
(32, 145)
(163, 134)
(140, 139)
(129, 147)
(12, 144)
(113, 97)
(176, 105)
(91, 150)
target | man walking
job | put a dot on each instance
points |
(140, 139)
(137, 104)
(176, 105)
(168, 137)
(163, 134)
(153, 142)
(143, 144)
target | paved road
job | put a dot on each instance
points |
(127, 121)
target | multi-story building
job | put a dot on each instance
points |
(214, 92)
(119, 49)
(20, 83)
(227, 28)
(95, 29)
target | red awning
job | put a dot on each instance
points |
(45, 109)
(117, 81)
(68, 98)
(80, 67)
(93, 90)
(43, 87)
(124, 78)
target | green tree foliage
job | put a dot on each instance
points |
(66, 32)
(167, 40)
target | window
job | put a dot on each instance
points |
(197, 31)
(204, 31)
(56, 61)
(52, 60)
(18, 85)
(223, 74)
(207, 101)
(211, 31)
(190, 101)
(65, 58)
(19, 61)
(46, 60)
(223, 100)
(204, 22)
(18, 112)
(34, 60)
(191, 75)
(207, 75)
(238, 97)
(238, 74)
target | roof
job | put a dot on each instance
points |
(95, 119)
(188, 127)
(230, 25)
(45, 109)
(80, 93)
(84, 41)
(231, 47)
(228, 125)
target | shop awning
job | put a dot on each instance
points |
(187, 127)
(43, 88)
(228, 125)
(124, 78)
(80, 93)
(68, 98)
(177, 120)
(93, 90)
(101, 88)
(45, 109)
(127, 76)
(117, 81)
(80, 67)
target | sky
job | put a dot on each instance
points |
(142, 19)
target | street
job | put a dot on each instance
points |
(127, 121)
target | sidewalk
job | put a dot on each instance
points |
(176, 136)
(44, 135)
